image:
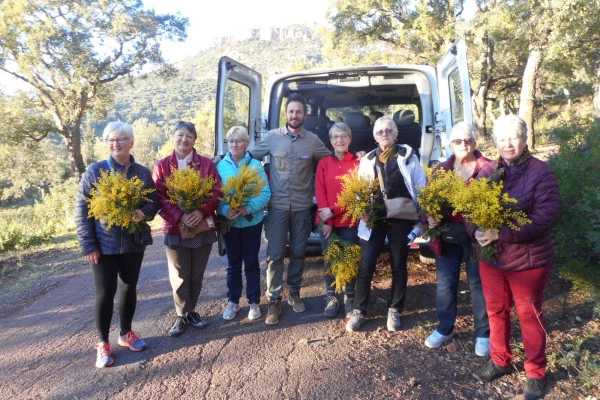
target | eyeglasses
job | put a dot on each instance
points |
(384, 132)
(338, 137)
(469, 141)
(117, 140)
(236, 141)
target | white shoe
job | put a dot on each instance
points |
(482, 346)
(436, 339)
(254, 312)
(355, 321)
(231, 311)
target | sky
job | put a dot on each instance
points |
(210, 20)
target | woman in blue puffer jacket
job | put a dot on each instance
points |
(115, 258)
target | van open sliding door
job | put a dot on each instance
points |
(239, 91)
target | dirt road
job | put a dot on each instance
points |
(47, 346)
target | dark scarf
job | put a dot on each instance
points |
(500, 172)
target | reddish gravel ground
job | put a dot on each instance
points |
(48, 336)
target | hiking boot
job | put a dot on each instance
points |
(296, 302)
(231, 311)
(348, 306)
(436, 339)
(355, 321)
(132, 340)
(331, 306)
(195, 320)
(482, 346)
(274, 312)
(178, 327)
(254, 312)
(393, 320)
(103, 355)
(490, 372)
(534, 389)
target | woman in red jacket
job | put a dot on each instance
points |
(327, 187)
(520, 270)
(187, 252)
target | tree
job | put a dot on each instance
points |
(149, 138)
(528, 91)
(204, 120)
(68, 51)
(574, 45)
(423, 30)
(31, 169)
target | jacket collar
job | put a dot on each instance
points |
(404, 151)
(195, 159)
(230, 159)
(112, 164)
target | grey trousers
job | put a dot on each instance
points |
(277, 225)
(186, 271)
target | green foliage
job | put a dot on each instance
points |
(579, 355)
(577, 234)
(192, 90)
(22, 118)
(205, 128)
(149, 138)
(28, 170)
(28, 226)
(67, 52)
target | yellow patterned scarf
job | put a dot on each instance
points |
(385, 156)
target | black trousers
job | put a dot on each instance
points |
(396, 231)
(116, 272)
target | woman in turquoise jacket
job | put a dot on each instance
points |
(242, 241)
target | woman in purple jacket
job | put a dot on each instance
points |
(523, 259)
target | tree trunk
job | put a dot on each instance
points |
(527, 101)
(480, 101)
(596, 99)
(72, 135)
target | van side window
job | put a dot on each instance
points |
(456, 97)
(236, 107)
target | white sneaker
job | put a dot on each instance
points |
(436, 339)
(231, 311)
(482, 346)
(254, 312)
(355, 321)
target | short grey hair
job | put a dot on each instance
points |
(463, 127)
(385, 120)
(117, 127)
(240, 130)
(512, 123)
(340, 126)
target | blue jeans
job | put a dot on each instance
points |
(351, 235)
(277, 225)
(396, 231)
(242, 245)
(448, 276)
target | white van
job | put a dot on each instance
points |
(424, 101)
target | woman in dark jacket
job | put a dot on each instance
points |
(116, 260)
(187, 252)
(467, 162)
(523, 259)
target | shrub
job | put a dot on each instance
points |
(29, 226)
(577, 234)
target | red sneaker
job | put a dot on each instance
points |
(132, 340)
(104, 355)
